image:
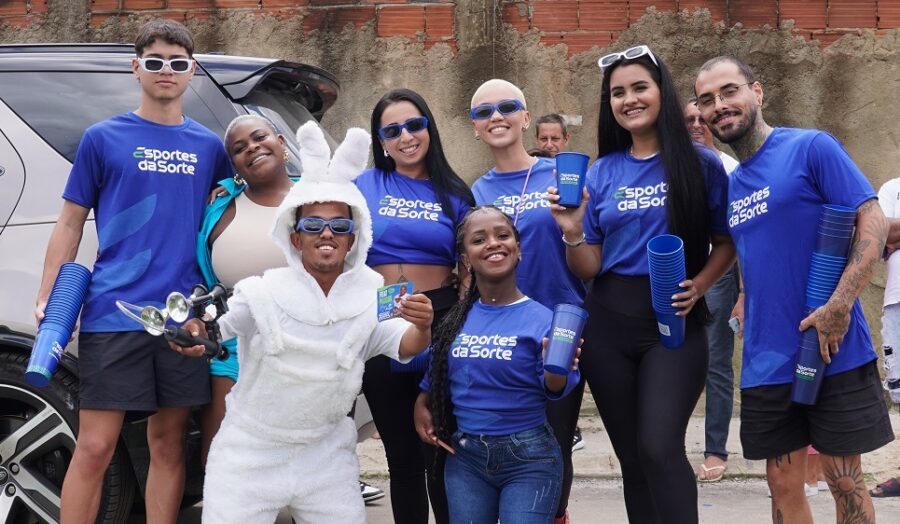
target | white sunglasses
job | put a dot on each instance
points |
(628, 54)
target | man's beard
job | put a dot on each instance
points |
(738, 129)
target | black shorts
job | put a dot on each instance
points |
(136, 372)
(850, 417)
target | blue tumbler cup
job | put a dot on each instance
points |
(570, 171)
(60, 315)
(809, 369)
(665, 257)
(565, 332)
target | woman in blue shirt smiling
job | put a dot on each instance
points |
(487, 363)
(649, 179)
(517, 185)
(416, 201)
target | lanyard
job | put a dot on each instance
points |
(522, 195)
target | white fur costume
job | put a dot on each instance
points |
(286, 440)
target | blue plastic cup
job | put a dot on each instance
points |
(838, 212)
(809, 369)
(665, 258)
(565, 333)
(48, 348)
(60, 314)
(570, 174)
(671, 329)
(833, 245)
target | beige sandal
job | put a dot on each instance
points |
(714, 469)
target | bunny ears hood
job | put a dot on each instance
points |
(327, 179)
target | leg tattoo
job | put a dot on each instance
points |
(845, 478)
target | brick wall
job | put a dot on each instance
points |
(580, 24)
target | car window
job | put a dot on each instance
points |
(69, 102)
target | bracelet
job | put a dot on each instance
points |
(576, 243)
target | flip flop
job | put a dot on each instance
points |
(714, 477)
(888, 488)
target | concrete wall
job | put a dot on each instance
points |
(831, 64)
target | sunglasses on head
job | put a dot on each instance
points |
(338, 226)
(155, 65)
(505, 107)
(413, 125)
(628, 54)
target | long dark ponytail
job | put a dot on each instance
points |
(687, 209)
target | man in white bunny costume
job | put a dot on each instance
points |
(286, 440)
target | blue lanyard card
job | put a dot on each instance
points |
(389, 298)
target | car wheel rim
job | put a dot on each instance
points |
(36, 444)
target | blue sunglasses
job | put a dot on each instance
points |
(413, 125)
(505, 107)
(315, 225)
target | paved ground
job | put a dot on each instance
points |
(597, 493)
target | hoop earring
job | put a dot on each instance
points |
(386, 155)
(477, 137)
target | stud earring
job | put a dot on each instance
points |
(386, 155)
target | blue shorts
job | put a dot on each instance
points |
(227, 368)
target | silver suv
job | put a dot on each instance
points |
(48, 95)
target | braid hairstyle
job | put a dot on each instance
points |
(446, 333)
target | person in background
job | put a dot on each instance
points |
(720, 300)
(417, 201)
(552, 134)
(645, 392)
(517, 184)
(889, 200)
(775, 203)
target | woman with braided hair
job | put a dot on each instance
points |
(487, 363)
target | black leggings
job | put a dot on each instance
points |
(645, 394)
(411, 462)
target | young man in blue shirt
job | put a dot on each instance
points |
(775, 198)
(146, 175)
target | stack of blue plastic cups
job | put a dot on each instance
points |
(665, 254)
(60, 316)
(828, 261)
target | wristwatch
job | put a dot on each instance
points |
(576, 243)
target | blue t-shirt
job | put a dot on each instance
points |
(775, 202)
(147, 184)
(627, 206)
(496, 369)
(409, 224)
(543, 273)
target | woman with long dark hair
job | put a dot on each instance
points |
(487, 363)
(517, 184)
(416, 200)
(649, 179)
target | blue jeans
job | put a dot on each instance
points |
(720, 381)
(514, 478)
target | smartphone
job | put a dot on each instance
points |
(735, 324)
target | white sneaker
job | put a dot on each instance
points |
(811, 491)
(577, 441)
(370, 493)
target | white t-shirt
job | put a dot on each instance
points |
(889, 199)
(729, 162)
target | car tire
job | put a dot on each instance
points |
(38, 428)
